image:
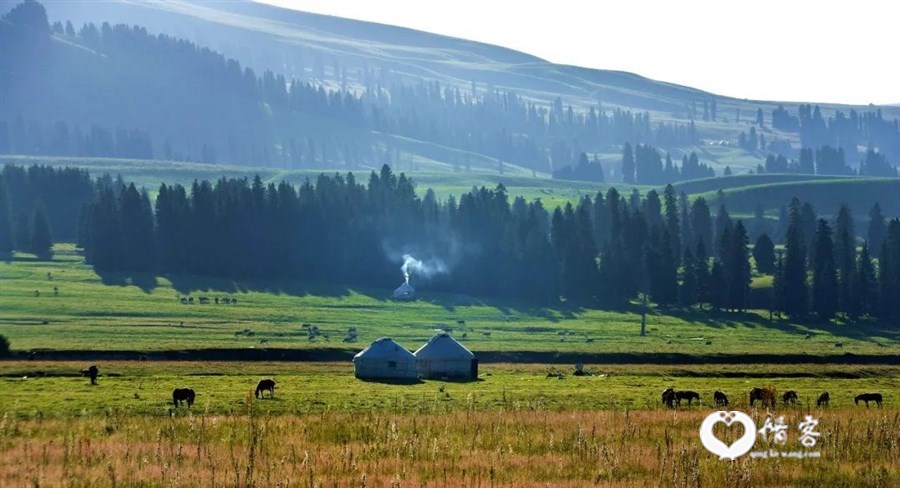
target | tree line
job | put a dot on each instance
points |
(604, 251)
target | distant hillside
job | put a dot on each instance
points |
(372, 93)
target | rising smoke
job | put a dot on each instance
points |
(424, 269)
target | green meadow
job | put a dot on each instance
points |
(145, 313)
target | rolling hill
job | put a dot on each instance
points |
(502, 92)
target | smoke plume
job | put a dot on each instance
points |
(424, 269)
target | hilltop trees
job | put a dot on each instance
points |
(824, 279)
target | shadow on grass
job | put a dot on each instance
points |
(860, 329)
(145, 281)
(392, 381)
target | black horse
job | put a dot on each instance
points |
(91, 373)
(720, 399)
(789, 397)
(668, 397)
(869, 397)
(686, 395)
(265, 385)
(823, 400)
(183, 395)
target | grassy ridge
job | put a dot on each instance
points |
(825, 195)
(116, 312)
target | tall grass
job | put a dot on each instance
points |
(464, 448)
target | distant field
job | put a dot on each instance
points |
(733, 182)
(116, 313)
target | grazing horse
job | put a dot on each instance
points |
(823, 399)
(265, 385)
(869, 397)
(720, 399)
(764, 395)
(183, 395)
(686, 395)
(789, 397)
(91, 373)
(668, 397)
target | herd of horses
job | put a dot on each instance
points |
(182, 396)
(766, 397)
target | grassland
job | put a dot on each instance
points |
(143, 313)
(513, 427)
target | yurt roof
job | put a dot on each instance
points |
(405, 288)
(442, 346)
(385, 348)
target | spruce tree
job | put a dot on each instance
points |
(670, 198)
(779, 303)
(738, 274)
(701, 266)
(628, 164)
(865, 290)
(764, 254)
(794, 276)
(23, 232)
(701, 223)
(877, 228)
(889, 273)
(7, 242)
(687, 293)
(41, 240)
(845, 258)
(824, 282)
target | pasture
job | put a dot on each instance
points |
(514, 427)
(145, 313)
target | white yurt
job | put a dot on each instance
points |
(443, 357)
(405, 292)
(385, 359)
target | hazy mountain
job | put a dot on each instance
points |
(423, 100)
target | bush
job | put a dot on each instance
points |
(4, 347)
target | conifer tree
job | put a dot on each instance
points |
(41, 240)
(628, 164)
(687, 293)
(824, 281)
(794, 274)
(865, 288)
(845, 258)
(764, 254)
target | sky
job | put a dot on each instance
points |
(788, 50)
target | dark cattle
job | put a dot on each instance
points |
(668, 397)
(265, 385)
(720, 399)
(204, 300)
(183, 395)
(184, 301)
(823, 400)
(217, 300)
(91, 373)
(789, 397)
(869, 397)
(764, 395)
(686, 395)
(191, 300)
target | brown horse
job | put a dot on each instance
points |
(764, 395)
(869, 397)
(789, 397)
(183, 395)
(265, 385)
(823, 400)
